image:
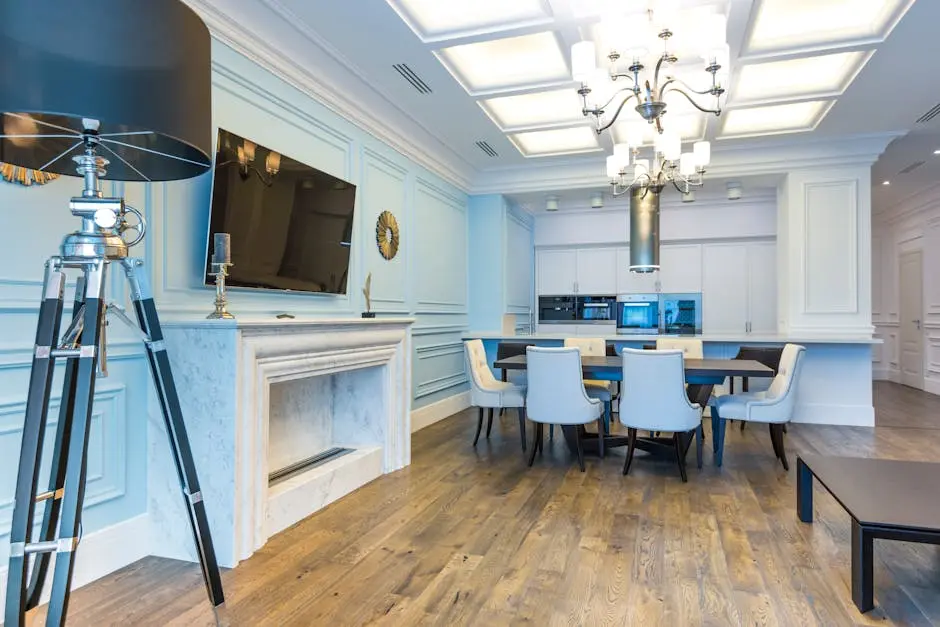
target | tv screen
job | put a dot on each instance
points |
(290, 224)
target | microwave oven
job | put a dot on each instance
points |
(638, 314)
(596, 309)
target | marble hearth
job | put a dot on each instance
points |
(257, 395)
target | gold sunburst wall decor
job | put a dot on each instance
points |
(386, 234)
(25, 176)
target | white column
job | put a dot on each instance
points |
(824, 244)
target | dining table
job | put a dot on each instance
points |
(701, 376)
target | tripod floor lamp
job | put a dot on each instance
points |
(90, 88)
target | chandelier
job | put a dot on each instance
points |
(648, 85)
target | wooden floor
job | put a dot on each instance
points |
(473, 536)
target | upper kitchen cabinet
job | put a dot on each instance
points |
(680, 268)
(557, 272)
(597, 271)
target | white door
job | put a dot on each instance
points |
(597, 271)
(680, 268)
(762, 287)
(912, 307)
(633, 282)
(724, 288)
(557, 272)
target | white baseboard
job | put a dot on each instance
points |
(99, 554)
(826, 414)
(932, 386)
(886, 374)
(429, 414)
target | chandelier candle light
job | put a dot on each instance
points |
(647, 94)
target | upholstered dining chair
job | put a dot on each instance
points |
(773, 406)
(486, 392)
(691, 347)
(556, 395)
(654, 399)
(596, 388)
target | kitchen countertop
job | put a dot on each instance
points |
(740, 338)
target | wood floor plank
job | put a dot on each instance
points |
(473, 536)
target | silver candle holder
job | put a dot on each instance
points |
(221, 261)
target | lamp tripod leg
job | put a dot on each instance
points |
(95, 273)
(175, 426)
(27, 479)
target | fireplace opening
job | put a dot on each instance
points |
(306, 464)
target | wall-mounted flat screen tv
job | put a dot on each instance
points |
(290, 224)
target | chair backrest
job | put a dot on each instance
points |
(691, 348)
(589, 346)
(787, 372)
(481, 377)
(654, 395)
(556, 392)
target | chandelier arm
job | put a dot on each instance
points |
(616, 114)
(673, 79)
(695, 104)
(659, 65)
(612, 98)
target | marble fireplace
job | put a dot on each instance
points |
(260, 396)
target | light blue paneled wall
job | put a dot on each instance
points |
(502, 277)
(428, 279)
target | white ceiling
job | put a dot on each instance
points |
(831, 69)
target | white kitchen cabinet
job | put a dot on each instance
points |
(739, 288)
(680, 268)
(597, 330)
(762, 287)
(557, 272)
(724, 288)
(632, 282)
(596, 271)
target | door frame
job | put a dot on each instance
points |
(921, 384)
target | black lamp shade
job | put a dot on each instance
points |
(140, 67)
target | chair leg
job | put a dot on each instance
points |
(489, 423)
(479, 427)
(577, 441)
(699, 437)
(536, 437)
(677, 441)
(551, 432)
(607, 415)
(521, 412)
(631, 446)
(718, 436)
(600, 437)
(784, 427)
(776, 434)
(773, 440)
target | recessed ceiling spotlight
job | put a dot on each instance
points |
(734, 191)
(551, 203)
(886, 183)
(937, 151)
(597, 200)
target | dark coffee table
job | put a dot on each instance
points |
(887, 499)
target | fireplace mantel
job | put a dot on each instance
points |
(224, 370)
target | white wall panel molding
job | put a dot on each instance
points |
(333, 81)
(830, 247)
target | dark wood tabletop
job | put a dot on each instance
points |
(882, 492)
(693, 367)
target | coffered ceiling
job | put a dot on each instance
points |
(481, 91)
(791, 61)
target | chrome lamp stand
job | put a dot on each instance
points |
(90, 250)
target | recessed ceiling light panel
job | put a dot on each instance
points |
(522, 61)
(556, 142)
(433, 19)
(825, 75)
(811, 24)
(545, 108)
(773, 119)
(689, 127)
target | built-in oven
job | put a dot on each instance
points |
(682, 313)
(558, 309)
(638, 314)
(597, 309)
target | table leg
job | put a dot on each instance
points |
(863, 579)
(804, 491)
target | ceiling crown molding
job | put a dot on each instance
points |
(344, 93)
(754, 159)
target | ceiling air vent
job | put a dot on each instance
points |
(409, 75)
(489, 150)
(929, 115)
(911, 167)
